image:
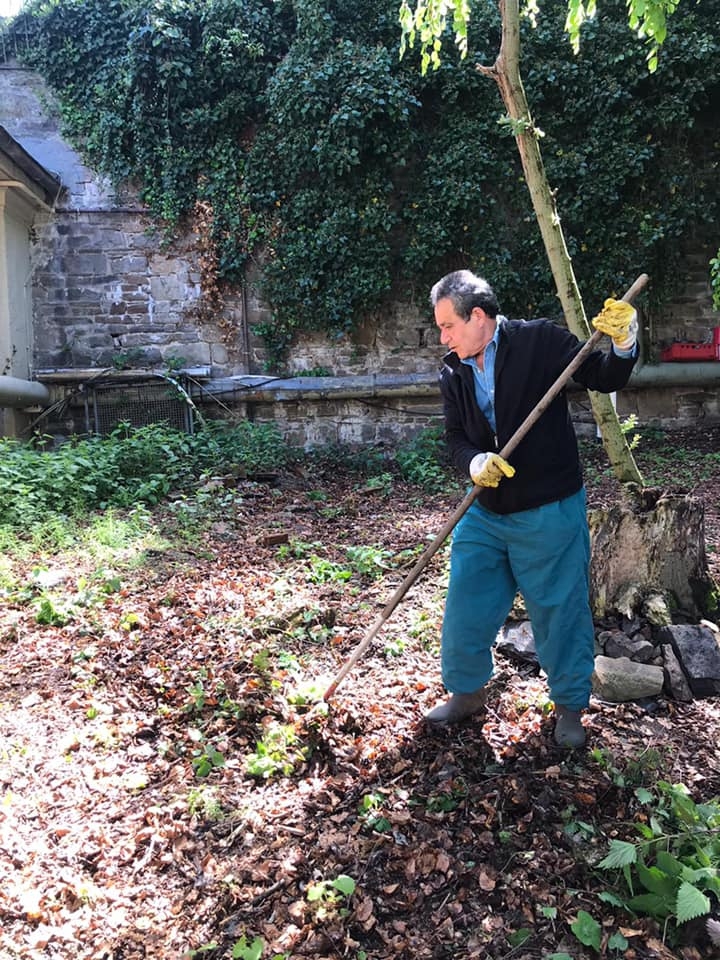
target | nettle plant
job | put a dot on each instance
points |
(672, 873)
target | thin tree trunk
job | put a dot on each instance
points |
(506, 73)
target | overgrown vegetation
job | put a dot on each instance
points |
(134, 466)
(295, 137)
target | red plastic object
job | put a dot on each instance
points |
(689, 352)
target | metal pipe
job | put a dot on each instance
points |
(675, 375)
(18, 393)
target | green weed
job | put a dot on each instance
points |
(329, 896)
(448, 800)
(671, 873)
(277, 752)
(424, 461)
(370, 813)
(322, 570)
(206, 759)
(381, 483)
(630, 771)
(204, 801)
(369, 561)
(131, 466)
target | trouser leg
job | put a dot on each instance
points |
(480, 594)
(550, 555)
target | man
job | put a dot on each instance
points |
(527, 529)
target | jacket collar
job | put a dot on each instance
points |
(453, 362)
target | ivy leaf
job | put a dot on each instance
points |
(587, 930)
(691, 903)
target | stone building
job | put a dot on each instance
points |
(100, 321)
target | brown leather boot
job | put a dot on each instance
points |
(569, 731)
(459, 707)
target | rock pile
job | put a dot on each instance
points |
(636, 659)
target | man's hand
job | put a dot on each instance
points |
(488, 469)
(618, 320)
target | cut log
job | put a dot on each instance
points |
(650, 541)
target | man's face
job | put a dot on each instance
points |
(466, 339)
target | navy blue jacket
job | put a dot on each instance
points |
(530, 357)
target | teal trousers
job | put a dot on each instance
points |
(545, 555)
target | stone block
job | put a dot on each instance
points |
(619, 680)
(218, 354)
(675, 679)
(86, 264)
(135, 264)
(193, 354)
(168, 287)
(698, 650)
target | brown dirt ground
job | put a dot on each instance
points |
(459, 843)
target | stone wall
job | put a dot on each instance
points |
(108, 294)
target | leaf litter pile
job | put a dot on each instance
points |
(171, 786)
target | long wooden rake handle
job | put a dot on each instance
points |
(469, 498)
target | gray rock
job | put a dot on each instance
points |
(620, 679)
(631, 625)
(618, 645)
(698, 650)
(675, 679)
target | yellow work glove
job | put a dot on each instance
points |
(618, 320)
(488, 469)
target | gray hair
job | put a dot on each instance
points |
(465, 291)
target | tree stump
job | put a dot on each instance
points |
(651, 542)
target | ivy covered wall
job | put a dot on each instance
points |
(300, 149)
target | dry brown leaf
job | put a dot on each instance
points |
(364, 909)
(486, 881)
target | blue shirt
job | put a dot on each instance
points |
(484, 377)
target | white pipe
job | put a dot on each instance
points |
(18, 393)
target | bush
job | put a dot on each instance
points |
(424, 460)
(131, 466)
